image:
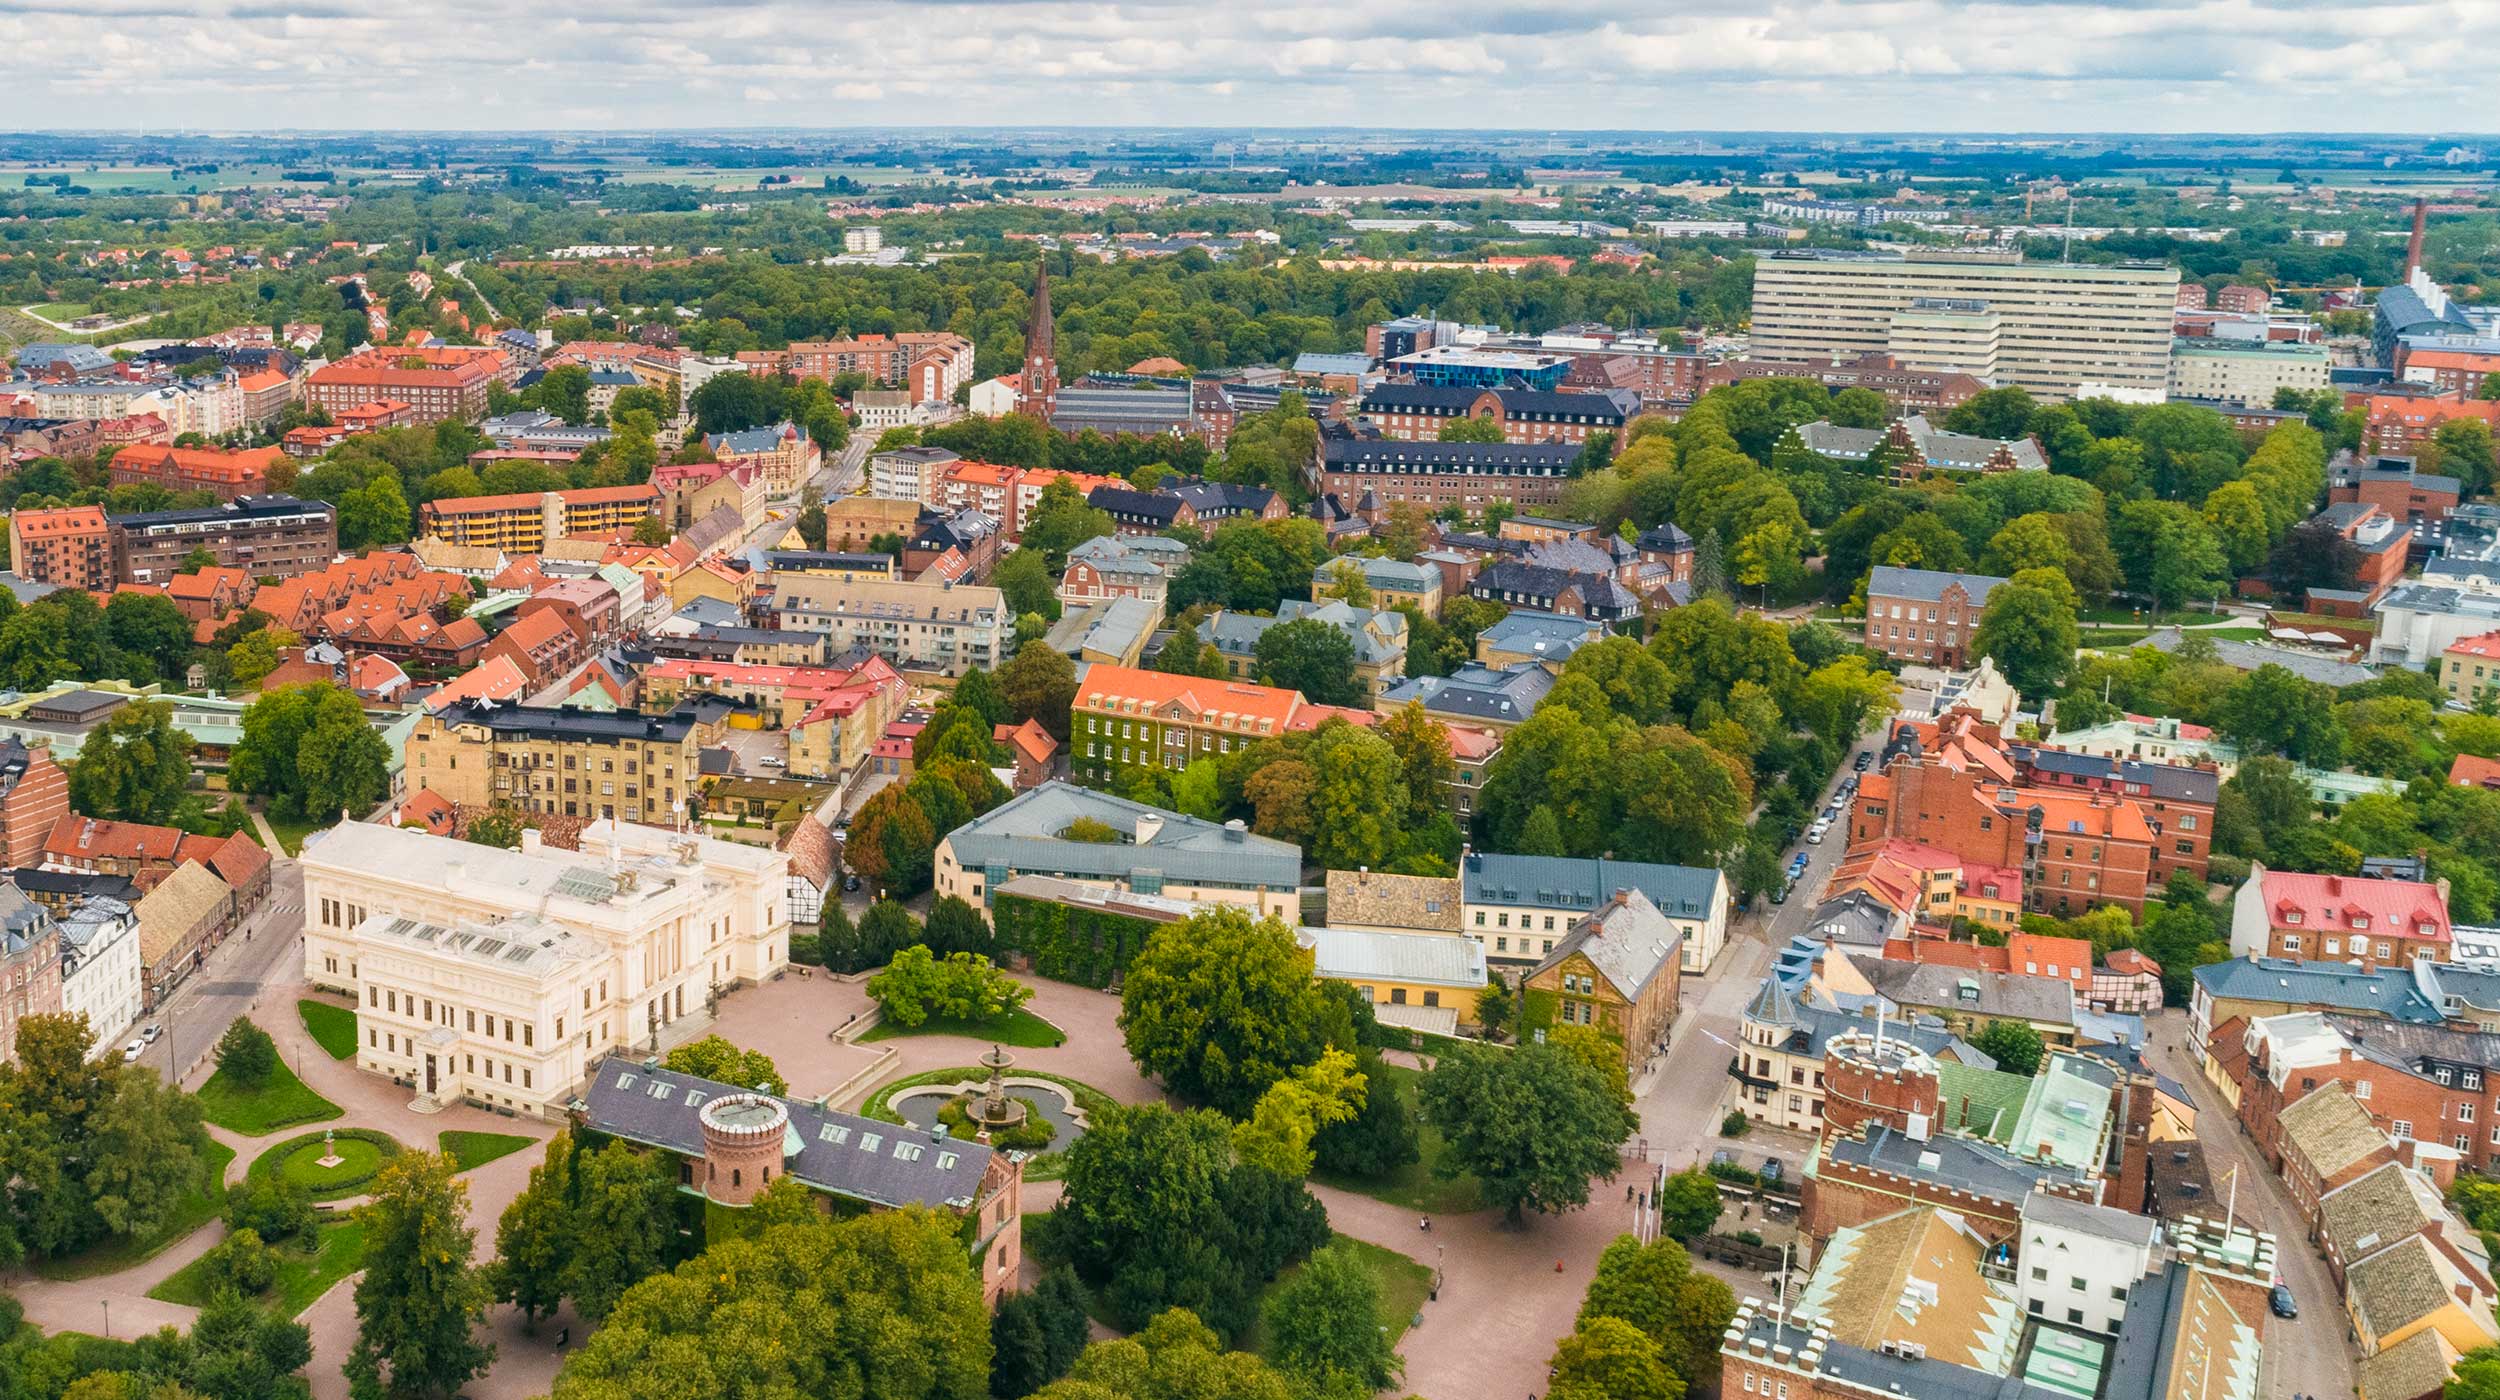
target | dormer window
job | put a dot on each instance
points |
(2361, 921)
(2293, 917)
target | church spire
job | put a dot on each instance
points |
(1037, 390)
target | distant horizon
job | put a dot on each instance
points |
(1974, 134)
(2135, 68)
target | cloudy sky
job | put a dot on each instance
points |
(2028, 65)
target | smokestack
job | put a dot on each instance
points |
(2413, 245)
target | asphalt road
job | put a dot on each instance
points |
(2308, 1355)
(267, 952)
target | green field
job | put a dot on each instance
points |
(303, 1275)
(62, 311)
(1413, 1186)
(333, 1028)
(291, 834)
(283, 1102)
(472, 1150)
(197, 1207)
(1017, 1027)
(1404, 1285)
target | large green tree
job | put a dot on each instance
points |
(134, 766)
(877, 1307)
(1221, 1005)
(2029, 627)
(1310, 656)
(1655, 1288)
(534, 1237)
(715, 1058)
(309, 750)
(420, 1301)
(624, 1219)
(1533, 1125)
(1323, 1326)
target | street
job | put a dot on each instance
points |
(833, 480)
(2308, 1355)
(266, 952)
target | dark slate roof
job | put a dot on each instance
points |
(555, 722)
(2388, 992)
(2161, 780)
(1927, 585)
(1567, 882)
(1214, 498)
(1514, 580)
(1664, 539)
(1453, 458)
(841, 1153)
(1126, 504)
(1478, 691)
(1964, 1164)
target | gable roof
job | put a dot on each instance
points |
(180, 903)
(1927, 585)
(2331, 1129)
(1628, 941)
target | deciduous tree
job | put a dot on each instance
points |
(419, 1302)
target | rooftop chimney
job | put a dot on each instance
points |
(2413, 245)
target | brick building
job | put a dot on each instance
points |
(71, 547)
(226, 474)
(1470, 475)
(2376, 923)
(438, 383)
(34, 797)
(2396, 485)
(931, 365)
(1418, 412)
(2080, 831)
(1925, 616)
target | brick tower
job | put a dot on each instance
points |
(1037, 389)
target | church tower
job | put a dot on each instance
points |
(1037, 389)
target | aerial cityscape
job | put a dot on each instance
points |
(1195, 721)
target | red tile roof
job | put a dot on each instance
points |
(2340, 903)
(2470, 771)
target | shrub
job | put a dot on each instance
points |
(271, 1207)
(246, 1054)
(243, 1263)
(1735, 1124)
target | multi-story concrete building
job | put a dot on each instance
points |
(526, 522)
(264, 536)
(2246, 373)
(904, 473)
(946, 628)
(2470, 668)
(438, 383)
(70, 547)
(1909, 390)
(2057, 327)
(500, 977)
(1925, 616)
(931, 365)
(560, 762)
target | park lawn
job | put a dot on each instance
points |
(473, 1150)
(63, 311)
(1403, 1283)
(291, 833)
(1413, 1186)
(333, 1028)
(197, 1207)
(302, 1276)
(284, 1102)
(1018, 1027)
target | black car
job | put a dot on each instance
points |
(850, 884)
(2281, 1301)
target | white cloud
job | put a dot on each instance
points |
(1977, 65)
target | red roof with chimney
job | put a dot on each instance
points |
(2471, 771)
(2348, 903)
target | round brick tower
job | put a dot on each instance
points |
(742, 1142)
(1865, 1083)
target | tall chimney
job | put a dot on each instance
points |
(2413, 245)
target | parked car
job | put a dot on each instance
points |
(773, 760)
(1864, 761)
(133, 1050)
(1772, 1170)
(1780, 895)
(1814, 833)
(151, 1032)
(850, 884)
(1720, 1158)
(2280, 1300)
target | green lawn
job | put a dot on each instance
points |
(291, 834)
(196, 1208)
(361, 1153)
(281, 1103)
(303, 1275)
(1404, 1284)
(1413, 1186)
(333, 1028)
(1017, 1027)
(472, 1150)
(62, 311)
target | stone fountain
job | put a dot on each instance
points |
(993, 1111)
